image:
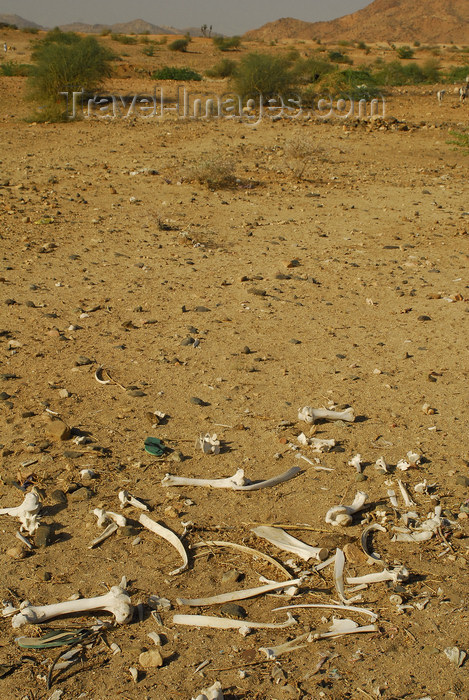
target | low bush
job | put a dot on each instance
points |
(227, 43)
(175, 73)
(405, 52)
(456, 74)
(216, 172)
(339, 57)
(460, 140)
(11, 68)
(179, 45)
(124, 39)
(224, 69)
(259, 73)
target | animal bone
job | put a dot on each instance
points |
(381, 464)
(104, 535)
(318, 444)
(340, 627)
(392, 498)
(237, 595)
(98, 375)
(356, 462)
(283, 540)
(27, 512)
(243, 548)
(237, 482)
(209, 444)
(413, 460)
(364, 537)
(170, 537)
(105, 516)
(212, 693)
(351, 608)
(225, 623)
(342, 515)
(339, 577)
(395, 575)
(116, 601)
(126, 499)
(405, 495)
(292, 645)
(311, 415)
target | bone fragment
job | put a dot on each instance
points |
(170, 537)
(116, 601)
(237, 482)
(225, 623)
(318, 444)
(350, 608)
(27, 512)
(212, 693)
(292, 645)
(127, 500)
(381, 464)
(106, 516)
(209, 444)
(356, 462)
(342, 515)
(405, 495)
(413, 460)
(396, 575)
(364, 540)
(341, 627)
(237, 595)
(311, 415)
(283, 540)
(249, 550)
(339, 577)
(104, 535)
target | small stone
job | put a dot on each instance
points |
(72, 454)
(463, 509)
(353, 554)
(27, 414)
(82, 361)
(17, 552)
(361, 477)
(58, 496)
(81, 494)
(188, 341)
(47, 576)
(423, 317)
(58, 430)
(129, 531)
(257, 292)
(176, 456)
(64, 393)
(246, 350)
(201, 309)
(54, 333)
(234, 611)
(295, 341)
(30, 304)
(43, 536)
(171, 512)
(230, 577)
(150, 659)
(462, 480)
(4, 396)
(198, 402)
(135, 392)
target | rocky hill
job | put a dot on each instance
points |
(429, 21)
(18, 21)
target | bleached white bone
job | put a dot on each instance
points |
(405, 495)
(351, 608)
(106, 516)
(116, 601)
(127, 499)
(342, 515)
(238, 595)
(225, 623)
(27, 512)
(318, 444)
(339, 564)
(392, 498)
(292, 645)
(341, 627)
(413, 460)
(170, 537)
(237, 482)
(356, 462)
(381, 464)
(311, 415)
(395, 575)
(110, 530)
(209, 444)
(212, 693)
(283, 540)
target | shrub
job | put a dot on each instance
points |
(124, 39)
(149, 50)
(175, 73)
(405, 52)
(312, 69)
(456, 74)
(431, 71)
(460, 140)
(31, 30)
(339, 57)
(216, 172)
(299, 154)
(224, 69)
(63, 60)
(394, 73)
(354, 84)
(179, 45)
(227, 43)
(265, 74)
(11, 68)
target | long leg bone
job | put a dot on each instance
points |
(170, 537)
(342, 515)
(339, 577)
(396, 575)
(237, 482)
(311, 415)
(238, 595)
(292, 645)
(225, 623)
(27, 512)
(116, 601)
(283, 540)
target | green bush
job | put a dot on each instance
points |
(431, 71)
(11, 68)
(124, 39)
(339, 57)
(62, 60)
(460, 140)
(405, 52)
(349, 83)
(179, 45)
(265, 74)
(395, 73)
(149, 50)
(224, 69)
(31, 30)
(227, 43)
(313, 69)
(175, 73)
(456, 74)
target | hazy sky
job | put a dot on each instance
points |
(226, 16)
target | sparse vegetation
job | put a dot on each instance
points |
(224, 69)
(405, 52)
(149, 50)
(460, 140)
(175, 73)
(300, 153)
(264, 74)
(180, 44)
(216, 172)
(339, 57)
(227, 43)
(124, 39)
(63, 61)
(12, 69)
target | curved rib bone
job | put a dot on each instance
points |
(237, 482)
(342, 515)
(238, 595)
(170, 537)
(116, 601)
(283, 540)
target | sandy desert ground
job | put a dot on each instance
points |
(346, 286)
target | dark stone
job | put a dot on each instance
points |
(43, 536)
(82, 361)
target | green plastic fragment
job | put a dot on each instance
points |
(154, 446)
